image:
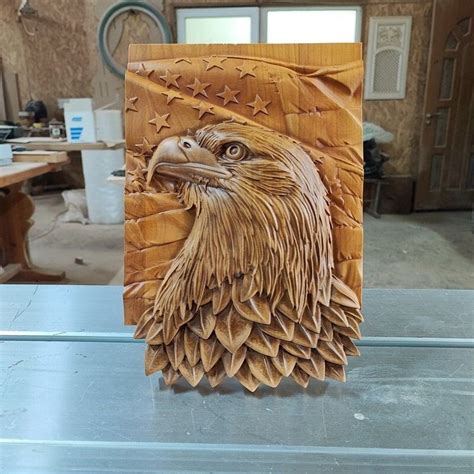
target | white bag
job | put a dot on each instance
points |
(76, 206)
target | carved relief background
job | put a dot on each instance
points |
(304, 100)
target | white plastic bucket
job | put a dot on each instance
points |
(108, 125)
(79, 119)
(104, 198)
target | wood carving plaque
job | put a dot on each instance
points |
(243, 233)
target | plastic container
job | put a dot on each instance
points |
(109, 126)
(79, 119)
(104, 198)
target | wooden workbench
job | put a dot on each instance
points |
(58, 145)
(75, 397)
(21, 171)
(16, 210)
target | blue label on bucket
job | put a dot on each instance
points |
(80, 126)
(76, 132)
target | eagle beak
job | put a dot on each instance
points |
(182, 158)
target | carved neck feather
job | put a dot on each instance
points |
(283, 241)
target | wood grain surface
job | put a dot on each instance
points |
(302, 99)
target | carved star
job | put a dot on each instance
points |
(214, 61)
(160, 121)
(145, 147)
(171, 95)
(135, 179)
(246, 69)
(170, 79)
(259, 105)
(142, 71)
(179, 60)
(228, 95)
(137, 173)
(203, 109)
(131, 104)
(199, 87)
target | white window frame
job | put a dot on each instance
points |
(265, 10)
(258, 16)
(252, 12)
(374, 23)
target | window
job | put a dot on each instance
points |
(218, 25)
(311, 25)
(269, 25)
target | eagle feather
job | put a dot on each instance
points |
(252, 294)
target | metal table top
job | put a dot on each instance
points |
(79, 308)
(80, 406)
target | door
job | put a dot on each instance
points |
(446, 173)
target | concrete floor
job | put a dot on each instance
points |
(427, 250)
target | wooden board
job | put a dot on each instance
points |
(62, 145)
(40, 156)
(18, 172)
(3, 112)
(11, 94)
(256, 123)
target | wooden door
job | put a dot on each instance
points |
(446, 173)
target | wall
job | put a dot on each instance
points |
(106, 87)
(403, 117)
(61, 60)
(54, 61)
(11, 43)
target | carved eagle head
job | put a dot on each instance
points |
(251, 294)
(234, 158)
(261, 209)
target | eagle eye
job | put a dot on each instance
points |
(235, 151)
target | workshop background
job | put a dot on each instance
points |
(50, 49)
